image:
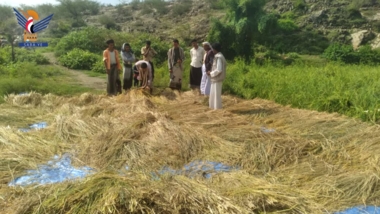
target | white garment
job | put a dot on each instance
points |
(197, 57)
(215, 99)
(112, 57)
(150, 79)
(219, 68)
(205, 82)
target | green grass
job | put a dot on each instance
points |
(26, 77)
(347, 89)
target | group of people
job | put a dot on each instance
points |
(207, 71)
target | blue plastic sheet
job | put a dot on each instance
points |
(35, 126)
(265, 130)
(56, 171)
(23, 93)
(204, 168)
(361, 210)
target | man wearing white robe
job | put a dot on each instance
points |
(217, 74)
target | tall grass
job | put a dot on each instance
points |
(353, 90)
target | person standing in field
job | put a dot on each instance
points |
(207, 66)
(196, 55)
(112, 65)
(145, 75)
(176, 56)
(128, 58)
(148, 53)
(217, 74)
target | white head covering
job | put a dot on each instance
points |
(207, 43)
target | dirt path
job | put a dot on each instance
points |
(82, 79)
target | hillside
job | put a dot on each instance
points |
(335, 20)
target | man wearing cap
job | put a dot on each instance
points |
(196, 54)
(207, 65)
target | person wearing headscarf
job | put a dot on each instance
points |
(217, 75)
(207, 65)
(128, 58)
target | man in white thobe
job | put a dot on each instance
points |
(217, 74)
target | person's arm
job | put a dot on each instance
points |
(154, 52)
(218, 70)
(105, 60)
(124, 57)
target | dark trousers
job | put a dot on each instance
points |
(113, 81)
(151, 64)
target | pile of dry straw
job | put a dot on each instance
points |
(313, 162)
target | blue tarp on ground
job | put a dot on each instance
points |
(265, 130)
(35, 126)
(361, 210)
(55, 171)
(204, 168)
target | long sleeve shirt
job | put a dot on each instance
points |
(148, 54)
(172, 56)
(219, 68)
(128, 57)
(197, 57)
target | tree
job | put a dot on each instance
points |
(6, 12)
(11, 31)
(242, 26)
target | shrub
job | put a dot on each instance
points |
(346, 54)
(181, 8)
(98, 67)
(287, 25)
(135, 4)
(79, 59)
(108, 22)
(339, 52)
(22, 55)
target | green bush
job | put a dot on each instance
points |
(346, 54)
(79, 59)
(98, 67)
(287, 25)
(93, 40)
(22, 55)
(109, 23)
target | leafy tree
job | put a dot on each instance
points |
(9, 28)
(243, 25)
(5, 13)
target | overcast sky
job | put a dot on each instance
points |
(16, 3)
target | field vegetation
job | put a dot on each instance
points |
(299, 120)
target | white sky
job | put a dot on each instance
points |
(16, 3)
